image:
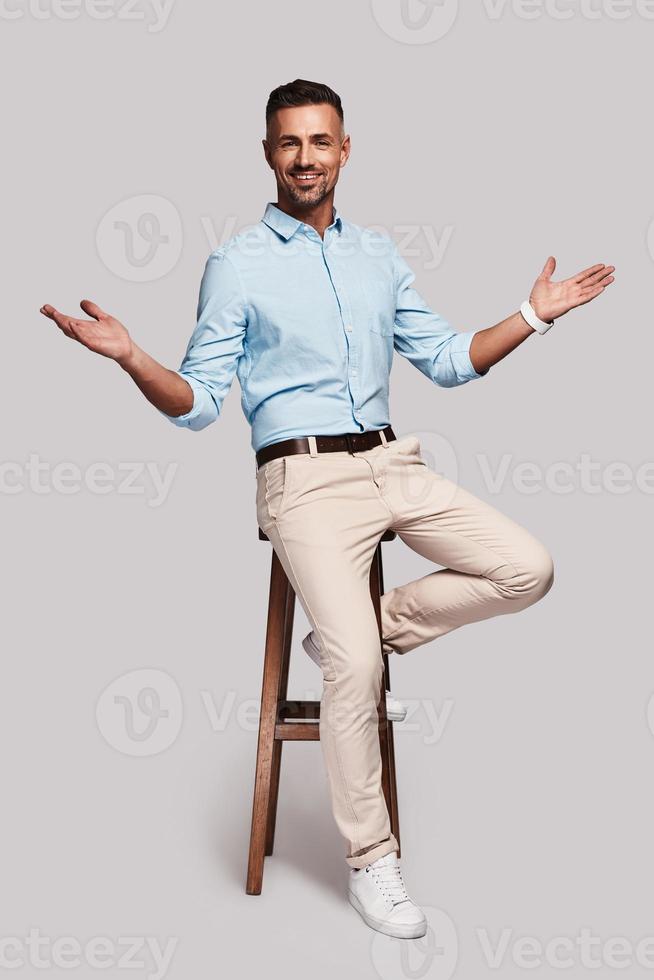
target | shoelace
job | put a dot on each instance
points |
(390, 880)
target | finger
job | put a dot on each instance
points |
(61, 319)
(548, 268)
(588, 272)
(589, 294)
(604, 282)
(92, 309)
(598, 276)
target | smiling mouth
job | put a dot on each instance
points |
(306, 178)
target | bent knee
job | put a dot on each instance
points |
(529, 579)
(542, 574)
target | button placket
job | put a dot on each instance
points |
(346, 319)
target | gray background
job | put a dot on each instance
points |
(525, 136)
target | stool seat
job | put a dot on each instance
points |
(386, 536)
(282, 719)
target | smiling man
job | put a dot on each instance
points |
(307, 309)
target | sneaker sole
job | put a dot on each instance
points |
(396, 715)
(413, 931)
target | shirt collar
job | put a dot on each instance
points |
(286, 225)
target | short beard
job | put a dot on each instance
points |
(307, 198)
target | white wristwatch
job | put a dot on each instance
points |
(542, 326)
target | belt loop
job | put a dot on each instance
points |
(313, 448)
(382, 436)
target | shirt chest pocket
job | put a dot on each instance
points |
(380, 304)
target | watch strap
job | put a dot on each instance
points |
(529, 314)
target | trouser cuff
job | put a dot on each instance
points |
(379, 850)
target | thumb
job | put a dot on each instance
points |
(548, 268)
(92, 309)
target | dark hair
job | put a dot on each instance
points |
(301, 92)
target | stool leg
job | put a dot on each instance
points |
(272, 674)
(386, 743)
(282, 694)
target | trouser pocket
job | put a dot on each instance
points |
(272, 490)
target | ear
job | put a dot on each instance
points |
(345, 150)
(266, 151)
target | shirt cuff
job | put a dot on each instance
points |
(202, 412)
(460, 355)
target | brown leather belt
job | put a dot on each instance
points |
(352, 442)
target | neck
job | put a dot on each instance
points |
(318, 216)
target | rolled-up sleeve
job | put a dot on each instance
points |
(216, 344)
(425, 338)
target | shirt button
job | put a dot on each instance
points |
(348, 327)
(354, 374)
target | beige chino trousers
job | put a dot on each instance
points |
(324, 514)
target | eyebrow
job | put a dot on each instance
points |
(314, 136)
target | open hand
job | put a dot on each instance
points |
(552, 299)
(103, 334)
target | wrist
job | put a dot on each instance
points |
(533, 319)
(130, 360)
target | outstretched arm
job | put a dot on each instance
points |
(106, 335)
(549, 301)
(191, 397)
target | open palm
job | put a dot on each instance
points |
(552, 299)
(104, 334)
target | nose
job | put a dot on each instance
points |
(303, 159)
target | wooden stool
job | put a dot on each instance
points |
(275, 725)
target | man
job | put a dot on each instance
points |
(307, 309)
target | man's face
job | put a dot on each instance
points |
(306, 147)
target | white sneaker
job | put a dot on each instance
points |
(378, 894)
(395, 710)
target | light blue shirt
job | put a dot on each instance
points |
(309, 326)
